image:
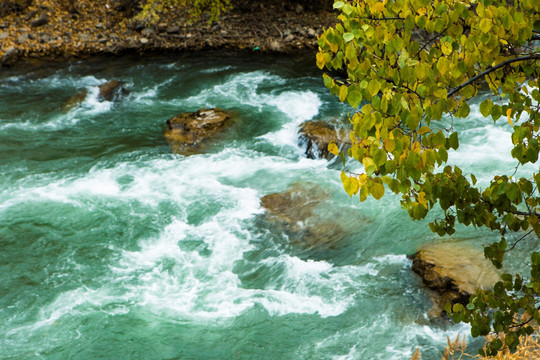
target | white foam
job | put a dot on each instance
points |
(298, 107)
(236, 89)
(217, 69)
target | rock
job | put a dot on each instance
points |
(453, 272)
(316, 135)
(161, 27)
(3, 35)
(186, 132)
(289, 38)
(10, 57)
(74, 101)
(295, 212)
(173, 29)
(143, 40)
(299, 9)
(311, 32)
(42, 20)
(30, 15)
(111, 90)
(148, 31)
(44, 37)
(21, 39)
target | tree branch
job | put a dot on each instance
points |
(492, 69)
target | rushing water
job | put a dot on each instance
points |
(111, 247)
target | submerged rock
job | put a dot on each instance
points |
(111, 90)
(186, 132)
(295, 211)
(316, 135)
(75, 100)
(453, 272)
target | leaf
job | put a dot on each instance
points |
(422, 199)
(379, 156)
(347, 9)
(453, 141)
(485, 25)
(374, 87)
(509, 115)
(377, 190)
(354, 96)
(423, 130)
(343, 91)
(333, 149)
(485, 107)
(378, 7)
(348, 36)
(447, 48)
(351, 186)
(338, 4)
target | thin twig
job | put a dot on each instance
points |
(492, 69)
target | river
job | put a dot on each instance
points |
(112, 247)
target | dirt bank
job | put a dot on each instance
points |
(56, 29)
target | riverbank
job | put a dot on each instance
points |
(53, 30)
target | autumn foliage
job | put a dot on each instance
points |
(412, 69)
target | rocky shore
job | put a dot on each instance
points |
(52, 29)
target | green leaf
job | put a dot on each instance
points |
(348, 36)
(379, 156)
(354, 97)
(453, 141)
(485, 107)
(338, 4)
(374, 87)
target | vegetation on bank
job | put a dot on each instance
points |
(412, 68)
(73, 28)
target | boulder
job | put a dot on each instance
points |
(42, 20)
(74, 101)
(186, 132)
(453, 272)
(111, 90)
(295, 212)
(173, 29)
(10, 57)
(316, 135)
(21, 39)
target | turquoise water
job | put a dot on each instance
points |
(111, 247)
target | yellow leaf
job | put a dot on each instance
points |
(320, 60)
(343, 91)
(351, 186)
(377, 190)
(422, 199)
(378, 7)
(509, 114)
(362, 179)
(333, 149)
(446, 48)
(423, 130)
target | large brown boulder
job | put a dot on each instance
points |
(296, 212)
(186, 132)
(316, 135)
(111, 90)
(453, 272)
